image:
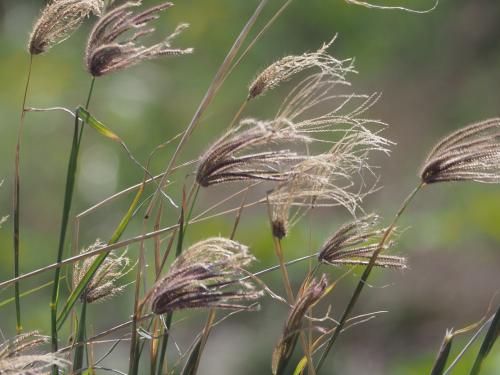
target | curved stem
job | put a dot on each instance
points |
(365, 275)
(16, 203)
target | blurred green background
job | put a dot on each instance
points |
(437, 72)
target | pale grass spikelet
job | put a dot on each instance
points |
(355, 243)
(18, 356)
(469, 154)
(245, 153)
(311, 292)
(103, 284)
(285, 68)
(334, 178)
(59, 20)
(320, 104)
(105, 53)
(207, 275)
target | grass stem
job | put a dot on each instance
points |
(365, 275)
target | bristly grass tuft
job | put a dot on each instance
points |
(285, 68)
(58, 21)
(355, 243)
(18, 355)
(103, 284)
(207, 275)
(106, 54)
(311, 292)
(468, 154)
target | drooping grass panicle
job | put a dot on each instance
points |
(207, 275)
(355, 243)
(19, 355)
(245, 153)
(309, 295)
(285, 68)
(333, 178)
(105, 53)
(58, 21)
(468, 154)
(104, 283)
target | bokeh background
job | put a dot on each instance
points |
(437, 72)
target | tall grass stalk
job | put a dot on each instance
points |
(16, 201)
(68, 200)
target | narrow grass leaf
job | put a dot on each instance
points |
(443, 354)
(487, 345)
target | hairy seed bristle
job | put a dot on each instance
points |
(468, 154)
(208, 274)
(106, 53)
(309, 295)
(103, 284)
(19, 355)
(58, 21)
(355, 243)
(283, 69)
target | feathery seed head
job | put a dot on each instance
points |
(309, 295)
(59, 20)
(17, 356)
(355, 243)
(208, 274)
(105, 54)
(103, 284)
(468, 154)
(283, 69)
(244, 154)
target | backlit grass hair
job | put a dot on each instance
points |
(109, 51)
(58, 21)
(207, 275)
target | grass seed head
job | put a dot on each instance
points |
(468, 154)
(244, 154)
(355, 243)
(285, 68)
(105, 53)
(104, 283)
(58, 21)
(207, 275)
(309, 295)
(18, 355)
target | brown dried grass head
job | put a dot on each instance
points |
(244, 154)
(58, 21)
(18, 355)
(311, 292)
(468, 154)
(355, 243)
(106, 54)
(207, 275)
(285, 68)
(104, 283)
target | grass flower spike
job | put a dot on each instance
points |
(468, 154)
(18, 356)
(285, 68)
(208, 274)
(106, 54)
(59, 20)
(355, 243)
(103, 285)
(244, 153)
(309, 295)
